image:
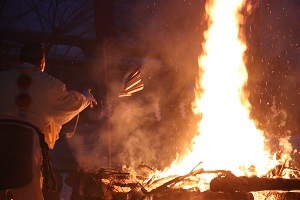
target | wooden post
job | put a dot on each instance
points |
(107, 103)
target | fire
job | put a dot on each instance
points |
(228, 139)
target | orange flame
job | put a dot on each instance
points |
(228, 139)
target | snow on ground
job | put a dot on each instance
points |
(66, 190)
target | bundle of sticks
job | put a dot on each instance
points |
(132, 83)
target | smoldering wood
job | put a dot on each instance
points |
(232, 183)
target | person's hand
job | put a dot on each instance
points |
(90, 97)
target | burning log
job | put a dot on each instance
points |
(231, 183)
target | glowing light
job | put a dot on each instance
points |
(228, 139)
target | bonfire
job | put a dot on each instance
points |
(229, 157)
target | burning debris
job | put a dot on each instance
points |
(132, 83)
(110, 184)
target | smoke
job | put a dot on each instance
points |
(88, 148)
(153, 125)
(146, 127)
(286, 148)
(150, 127)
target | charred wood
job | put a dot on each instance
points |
(231, 183)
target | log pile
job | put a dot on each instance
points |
(115, 185)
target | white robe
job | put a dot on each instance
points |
(52, 104)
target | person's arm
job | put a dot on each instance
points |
(90, 97)
(67, 104)
(63, 105)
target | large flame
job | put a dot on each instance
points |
(228, 139)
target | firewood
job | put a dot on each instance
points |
(231, 183)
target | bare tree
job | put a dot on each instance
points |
(54, 22)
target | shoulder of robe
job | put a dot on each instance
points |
(50, 81)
